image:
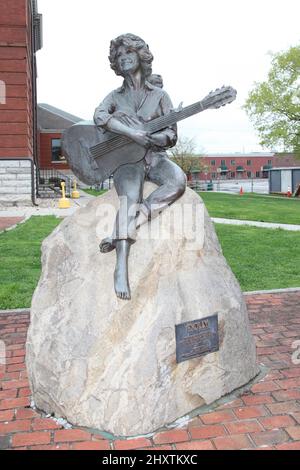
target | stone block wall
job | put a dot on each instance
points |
(15, 181)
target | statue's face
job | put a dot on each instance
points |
(128, 60)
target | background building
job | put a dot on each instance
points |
(234, 166)
(20, 38)
(51, 123)
(239, 166)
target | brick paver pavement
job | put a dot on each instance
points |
(7, 222)
(266, 417)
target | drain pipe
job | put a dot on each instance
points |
(27, 159)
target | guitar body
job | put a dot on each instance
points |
(76, 143)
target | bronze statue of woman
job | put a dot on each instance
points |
(122, 112)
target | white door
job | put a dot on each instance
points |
(286, 180)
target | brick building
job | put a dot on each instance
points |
(51, 123)
(234, 166)
(20, 38)
(285, 161)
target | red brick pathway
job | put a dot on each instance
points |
(267, 417)
(7, 222)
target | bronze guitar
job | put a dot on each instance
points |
(94, 155)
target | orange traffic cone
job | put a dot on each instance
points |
(241, 191)
(289, 193)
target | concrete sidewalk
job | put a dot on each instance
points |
(290, 227)
(26, 212)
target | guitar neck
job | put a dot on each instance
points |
(173, 117)
(153, 126)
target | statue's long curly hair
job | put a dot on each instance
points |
(136, 44)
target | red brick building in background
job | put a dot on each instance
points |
(51, 123)
(234, 166)
(20, 38)
(239, 166)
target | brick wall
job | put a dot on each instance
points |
(45, 151)
(285, 161)
(16, 128)
(16, 114)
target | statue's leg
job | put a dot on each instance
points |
(128, 182)
(171, 181)
(121, 280)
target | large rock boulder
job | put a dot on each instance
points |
(111, 364)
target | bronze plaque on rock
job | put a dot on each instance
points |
(197, 338)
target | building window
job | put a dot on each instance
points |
(213, 175)
(223, 163)
(56, 151)
(213, 162)
(249, 162)
(232, 174)
(249, 174)
(269, 162)
(258, 174)
(232, 162)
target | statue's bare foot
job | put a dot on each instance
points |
(121, 283)
(106, 245)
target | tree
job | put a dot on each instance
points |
(274, 105)
(183, 154)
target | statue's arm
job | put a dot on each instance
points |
(105, 118)
(168, 137)
(105, 111)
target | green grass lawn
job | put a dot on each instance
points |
(261, 259)
(94, 192)
(253, 207)
(20, 260)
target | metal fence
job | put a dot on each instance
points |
(251, 185)
(49, 183)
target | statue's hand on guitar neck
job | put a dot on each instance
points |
(146, 140)
(159, 139)
(141, 137)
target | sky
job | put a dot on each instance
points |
(198, 46)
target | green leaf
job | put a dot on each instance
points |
(274, 105)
